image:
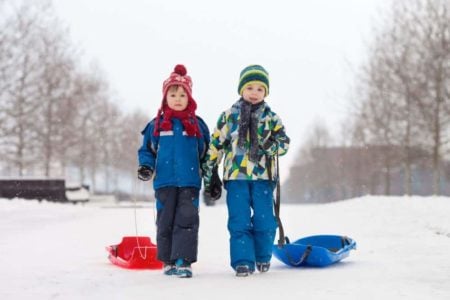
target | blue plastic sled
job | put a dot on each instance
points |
(316, 250)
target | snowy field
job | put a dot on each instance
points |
(56, 251)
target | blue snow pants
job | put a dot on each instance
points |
(251, 221)
(177, 223)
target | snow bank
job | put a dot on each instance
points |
(56, 251)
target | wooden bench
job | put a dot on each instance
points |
(48, 189)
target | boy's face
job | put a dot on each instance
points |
(254, 93)
(177, 98)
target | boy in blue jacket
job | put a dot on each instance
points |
(173, 149)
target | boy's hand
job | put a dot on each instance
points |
(269, 144)
(213, 192)
(213, 188)
(145, 173)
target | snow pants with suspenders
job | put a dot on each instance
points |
(251, 221)
(177, 223)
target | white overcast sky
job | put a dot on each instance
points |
(308, 47)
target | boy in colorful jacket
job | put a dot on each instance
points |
(249, 135)
(173, 149)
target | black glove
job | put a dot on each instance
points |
(214, 188)
(145, 173)
(268, 144)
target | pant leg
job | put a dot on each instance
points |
(186, 224)
(264, 222)
(242, 250)
(166, 201)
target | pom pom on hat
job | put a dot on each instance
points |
(180, 70)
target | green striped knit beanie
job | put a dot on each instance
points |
(253, 74)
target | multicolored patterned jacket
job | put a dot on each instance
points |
(237, 166)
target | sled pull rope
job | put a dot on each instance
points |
(143, 256)
(345, 240)
(277, 204)
(302, 259)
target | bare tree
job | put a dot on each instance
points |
(20, 73)
(432, 27)
(401, 119)
(54, 89)
(417, 62)
(53, 115)
(313, 182)
(90, 93)
(129, 141)
(376, 113)
(397, 106)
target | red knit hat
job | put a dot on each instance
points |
(178, 77)
(188, 118)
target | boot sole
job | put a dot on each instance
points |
(184, 275)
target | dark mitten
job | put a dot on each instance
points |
(213, 187)
(269, 145)
(145, 173)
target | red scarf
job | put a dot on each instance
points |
(187, 118)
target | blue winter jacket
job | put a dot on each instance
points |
(174, 157)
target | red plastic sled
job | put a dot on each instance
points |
(134, 252)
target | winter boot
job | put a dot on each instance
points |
(243, 271)
(263, 266)
(169, 269)
(183, 268)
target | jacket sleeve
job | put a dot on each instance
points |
(203, 140)
(278, 140)
(147, 151)
(215, 152)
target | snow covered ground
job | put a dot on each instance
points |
(56, 251)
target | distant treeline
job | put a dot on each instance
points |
(396, 138)
(55, 113)
(337, 173)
